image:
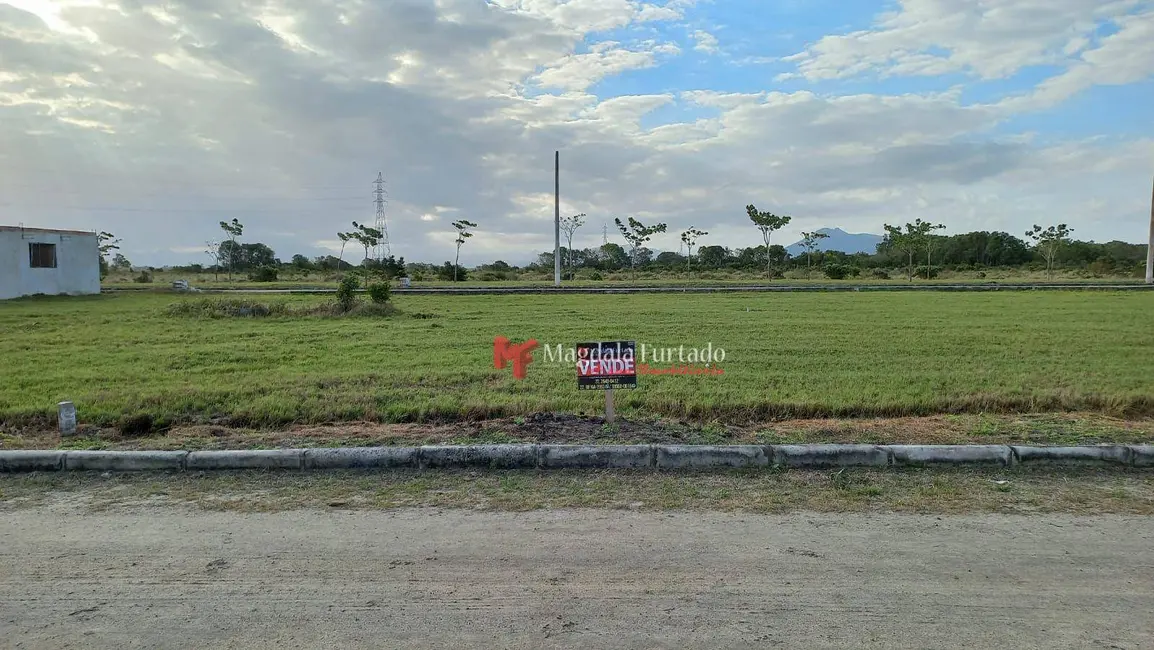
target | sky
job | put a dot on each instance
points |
(155, 121)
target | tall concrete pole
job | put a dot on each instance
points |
(1150, 244)
(557, 218)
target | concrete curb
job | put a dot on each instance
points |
(652, 457)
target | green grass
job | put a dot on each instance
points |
(787, 355)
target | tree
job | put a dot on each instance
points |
(569, 226)
(106, 242)
(915, 237)
(301, 262)
(1049, 242)
(121, 263)
(925, 230)
(613, 257)
(344, 237)
(767, 223)
(233, 229)
(689, 238)
(636, 234)
(368, 238)
(463, 233)
(212, 249)
(713, 257)
(809, 242)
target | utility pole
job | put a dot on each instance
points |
(383, 249)
(557, 218)
(604, 234)
(1150, 244)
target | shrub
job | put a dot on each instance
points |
(263, 274)
(926, 272)
(445, 273)
(145, 277)
(981, 274)
(880, 274)
(840, 271)
(490, 276)
(347, 292)
(379, 293)
(596, 276)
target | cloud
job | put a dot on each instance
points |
(989, 40)
(705, 42)
(156, 123)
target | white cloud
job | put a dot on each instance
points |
(705, 42)
(990, 39)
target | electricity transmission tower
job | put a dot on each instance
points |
(383, 248)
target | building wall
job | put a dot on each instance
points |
(77, 264)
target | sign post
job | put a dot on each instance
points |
(607, 365)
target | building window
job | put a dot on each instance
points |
(42, 256)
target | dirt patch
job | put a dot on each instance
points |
(1041, 429)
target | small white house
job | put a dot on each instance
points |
(40, 261)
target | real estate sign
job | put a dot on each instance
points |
(606, 365)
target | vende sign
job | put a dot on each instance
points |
(606, 365)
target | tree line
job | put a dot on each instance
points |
(913, 247)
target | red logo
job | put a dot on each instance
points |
(520, 354)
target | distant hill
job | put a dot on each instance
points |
(840, 240)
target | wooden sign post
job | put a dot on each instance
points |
(605, 366)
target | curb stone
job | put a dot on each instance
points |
(361, 457)
(246, 459)
(21, 460)
(531, 456)
(830, 456)
(124, 461)
(951, 454)
(486, 456)
(596, 457)
(1142, 455)
(1119, 454)
(707, 456)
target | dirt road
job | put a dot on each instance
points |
(176, 578)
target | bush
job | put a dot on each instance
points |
(880, 274)
(926, 272)
(145, 277)
(981, 275)
(596, 276)
(840, 271)
(490, 276)
(445, 273)
(347, 292)
(379, 293)
(263, 274)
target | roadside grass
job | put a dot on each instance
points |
(943, 490)
(124, 361)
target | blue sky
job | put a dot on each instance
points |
(154, 121)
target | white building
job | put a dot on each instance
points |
(52, 262)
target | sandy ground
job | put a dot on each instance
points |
(150, 577)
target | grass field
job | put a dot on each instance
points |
(787, 355)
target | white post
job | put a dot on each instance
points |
(557, 218)
(67, 418)
(1150, 244)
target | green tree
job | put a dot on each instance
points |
(233, 229)
(1049, 243)
(809, 242)
(767, 223)
(121, 263)
(636, 234)
(106, 242)
(689, 238)
(569, 226)
(463, 233)
(909, 242)
(368, 238)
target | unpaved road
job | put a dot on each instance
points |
(177, 578)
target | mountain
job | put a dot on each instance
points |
(840, 240)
